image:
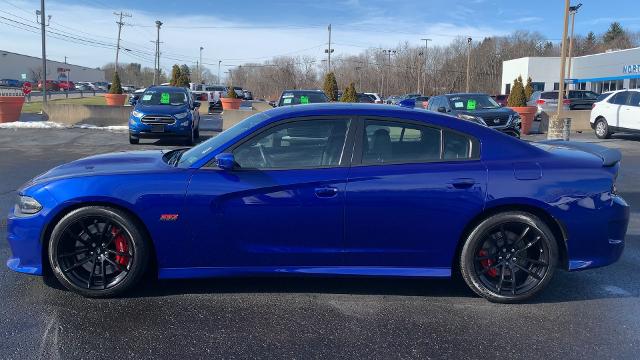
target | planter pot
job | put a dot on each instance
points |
(10, 108)
(527, 113)
(230, 104)
(115, 99)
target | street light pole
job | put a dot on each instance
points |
(468, 61)
(156, 75)
(43, 26)
(426, 48)
(200, 65)
(219, 80)
(388, 53)
(572, 12)
(555, 122)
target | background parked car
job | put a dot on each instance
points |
(66, 85)
(11, 83)
(247, 95)
(422, 102)
(501, 99)
(479, 108)
(295, 97)
(366, 98)
(377, 98)
(393, 100)
(617, 111)
(51, 85)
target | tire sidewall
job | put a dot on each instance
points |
(140, 250)
(480, 232)
(606, 128)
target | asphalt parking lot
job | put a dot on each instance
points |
(591, 314)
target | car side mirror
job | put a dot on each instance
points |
(226, 161)
(196, 104)
(134, 100)
(442, 109)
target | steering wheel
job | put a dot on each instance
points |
(266, 162)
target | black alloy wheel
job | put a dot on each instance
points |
(97, 252)
(509, 257)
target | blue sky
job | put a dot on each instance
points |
(251, 30)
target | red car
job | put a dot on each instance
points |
(66, 85)
(52, 85)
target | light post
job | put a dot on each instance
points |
(468, 60)
(426, 48)
(43, 25)
(219, 62)
(556, 123)
(200, 65)
(572, 12)
(388, 52)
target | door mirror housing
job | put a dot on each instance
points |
(134, 100)
(226, 161)
(442, 109)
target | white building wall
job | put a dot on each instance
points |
(13, 65)
(540, 69)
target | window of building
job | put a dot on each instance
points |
(556, 86)
(634, 83)
(581, 86)
(507, 89)
(537, 86)
(300, 144)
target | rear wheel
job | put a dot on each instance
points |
(509, 257)
(602, 129)
(98, 252)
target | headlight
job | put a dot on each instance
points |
(136, 113)
(181, 115)
(475, 119)
(27, 205)
(515, 120)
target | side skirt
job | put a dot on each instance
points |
(207, 272)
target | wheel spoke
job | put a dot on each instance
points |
(536, 262)
(77, 237)
(104, 275)
(524, 233)
(501, 278)
(74, 253)
(513, 280)
(104, 231)
(531, 273)
(112, 237)
(93, 270)
(86, 229)
(530, 244)
(118, 253)
(116, 265)
(80, 263)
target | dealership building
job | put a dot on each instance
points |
(25, 67)
(608, 71)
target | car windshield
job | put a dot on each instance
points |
(198, 152)
(295, 98)
(472, 102)
(164, 97)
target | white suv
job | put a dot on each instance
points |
(617, 111)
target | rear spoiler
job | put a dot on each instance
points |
(609, 156)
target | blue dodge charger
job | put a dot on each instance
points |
(327, 190)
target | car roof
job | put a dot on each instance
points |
(463, 93)
(164, 87)
(301, 90)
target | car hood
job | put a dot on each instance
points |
(106, 164)
(488, 112)
(161, 109)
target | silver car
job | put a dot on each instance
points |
(546, 102)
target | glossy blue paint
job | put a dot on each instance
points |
(382, 220)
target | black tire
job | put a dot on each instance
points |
(601, 128)
(133, 140)
(477, 268)
(190, 140)
(197, 134)
(102, 220)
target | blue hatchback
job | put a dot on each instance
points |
(164, 111)
(328, 190)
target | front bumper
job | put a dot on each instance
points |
(23, 235)
(180, 128)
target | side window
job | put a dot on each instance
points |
(634, 99)
(457, 146)
(619, 98)
(298, 144)
(397, 142)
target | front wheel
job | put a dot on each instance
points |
(509, 257)
(98, 252)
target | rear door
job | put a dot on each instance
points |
(617, 108)
(629, 111)
(411, 190)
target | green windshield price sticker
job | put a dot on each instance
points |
(304, 99)
(287, 101)
(164, 98)
(471, 104)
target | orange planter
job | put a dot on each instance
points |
(230, 104)
(115, 99)
(527, 113)
(10, 108)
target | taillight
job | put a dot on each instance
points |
(566, 102)
(540, 102)
(593, 105)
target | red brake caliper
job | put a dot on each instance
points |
(121, 246)
(493, 272)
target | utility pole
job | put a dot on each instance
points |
(555, 122)
(426, 48)
(156, 74)
(219, 80)
(199, 65)
(388, 53)
(329, 51)
(120, 23)
(43, 26)
(468, 60)
(572, 11)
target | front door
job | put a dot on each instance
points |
(410, 196)
(283, 206)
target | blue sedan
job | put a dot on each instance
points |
(327, 190)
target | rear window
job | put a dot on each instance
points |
(215, 88)
(296, 98)
(602, 96)
(549, 95)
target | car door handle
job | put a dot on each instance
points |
(462, 183)
(326, 191)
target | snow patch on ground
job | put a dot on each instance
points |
(55, 125)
